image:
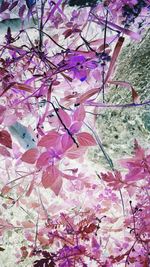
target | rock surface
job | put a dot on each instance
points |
(119, 127)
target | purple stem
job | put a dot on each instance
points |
(54, 8)
(101, 105)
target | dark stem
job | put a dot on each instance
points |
(134, 223)
(36, 232)
(103, 72)
(41, 26)
(122, 201)
(86, 43)
(40, 30)
(109, 160)
(67, 130)
(101, 105)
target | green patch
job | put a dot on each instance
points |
(119, 127)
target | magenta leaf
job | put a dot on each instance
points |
(57, 185)
(43, 160)
(55, 69)
(138, 166)
(75, 127)
(49, 140)
(66, 141)
(2, 109)
(51, 179)
(113, 180)
(30, 156)
(79, 114)
(65, 117)
(5, 139)
(49, 176)
(24, 87)
(4, 152)
(82, 98)
(21, 11)
(75, 152)
(86, 139)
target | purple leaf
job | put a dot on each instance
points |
(8, 36)
(13, 5)
(22, 10)
(4, 6)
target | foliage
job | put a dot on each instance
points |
(53, 84)
(82, 3)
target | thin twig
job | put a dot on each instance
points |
(36, 232)
(122, 201)
(49, 38)
(67, 130)
(101, 105)
(41, 26)
(103, 72)
(109, 160)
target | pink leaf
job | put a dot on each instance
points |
(49, 176)
(75, 127)
(67, 33)
(56, 186)
(132, 34)
(138, 165)
(136, 174)
(49, 140)
(5, 190)
(5, 139)
(28, 193)
(95, 244)
(43, 160)
(115, 55)
(51, 179)
(9, 120)
(65, 117)
(87, 95)
(66, 141)
(113, 180)
(5, 225)
(86, 139)
(30, 156)
(79, 114)
(69, 177)
(43, 240)
(34, 205)
(28, 224)
(2, 109)
(75, 152)
(23, 87)
(4, 152)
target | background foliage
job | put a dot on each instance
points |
(67, 92)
